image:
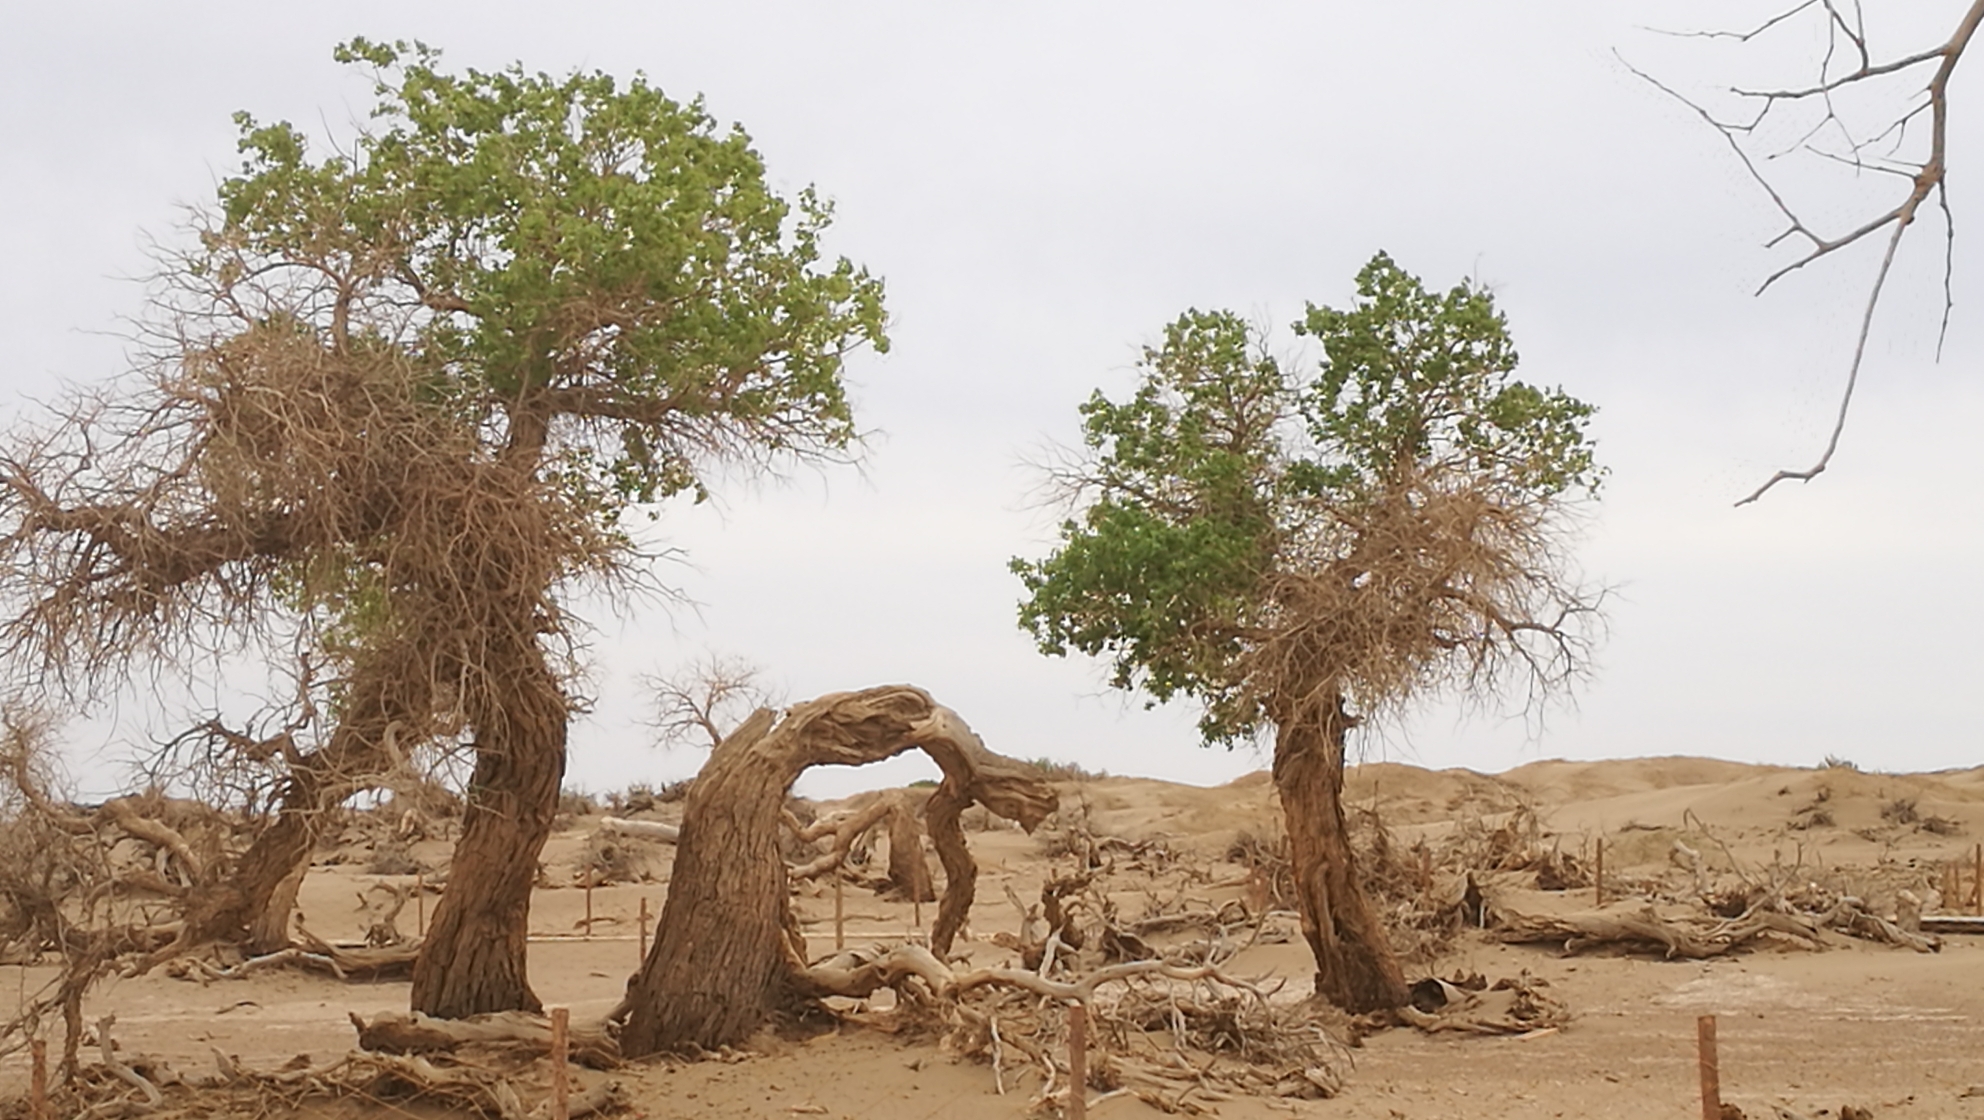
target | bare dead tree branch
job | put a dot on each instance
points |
(707, 698)
(1926, 173)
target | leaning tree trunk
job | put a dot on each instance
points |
(472, 960)
(254, 903)
(1355, 968)
(728, 952)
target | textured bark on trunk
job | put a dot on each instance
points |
(942, 815)
(269, 932)
(909, 870)
(473, 958)
(1355, 968)
(728, 950)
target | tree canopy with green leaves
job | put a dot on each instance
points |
(405, 391)
(1304, 551)
(565, 252)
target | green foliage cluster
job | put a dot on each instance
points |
(1227, 478)
(579, 255)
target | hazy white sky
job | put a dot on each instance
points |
(1044, 186)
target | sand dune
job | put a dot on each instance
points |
(1870, 1025)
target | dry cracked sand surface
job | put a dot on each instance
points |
(1876, 1027)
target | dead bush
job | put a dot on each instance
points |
(614, 858)
(391, 856)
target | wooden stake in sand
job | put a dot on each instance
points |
(644, 927)
(38, 1085)
(840, 926)
(420, 905)
(1977, 894)
(1711, 1068)
(561, 1093)
(917, 909)
(1077, 1061)
(588, 906)
(1598, 874)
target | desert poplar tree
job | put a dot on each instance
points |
(409, 388)
(1304, 553)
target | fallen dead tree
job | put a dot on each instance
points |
(347, 963)
(500, 1082)
(646, 830)
(67, 876)
(590, 1045)
(1471, 1005)
(1697, 935)
(1702, 902)
(1638, 928)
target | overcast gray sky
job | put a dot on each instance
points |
(1044, 186)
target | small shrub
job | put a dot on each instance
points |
(1941, 826)
(391, 857)
(637, 798)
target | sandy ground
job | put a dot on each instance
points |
(1880, 1028)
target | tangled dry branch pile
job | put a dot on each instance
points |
(1176, 1037)
(847, 836)
(1135, 932)
(489, 1066)
(1802, 919)
(1467, 878)
(116, 889)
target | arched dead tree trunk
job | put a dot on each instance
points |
(1355, 967)
(728, 951)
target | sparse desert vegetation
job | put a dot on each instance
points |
(336, 546)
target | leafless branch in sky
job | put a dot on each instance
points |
(1847, 65)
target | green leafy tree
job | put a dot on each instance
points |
(407, 391)
(1303, 553)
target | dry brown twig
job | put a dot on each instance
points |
(1926, 174)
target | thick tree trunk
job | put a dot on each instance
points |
(1355, 968)
(943, 816)
(727, 954)
(473, 958)
(269, 931)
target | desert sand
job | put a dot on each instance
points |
(1810, 1030)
